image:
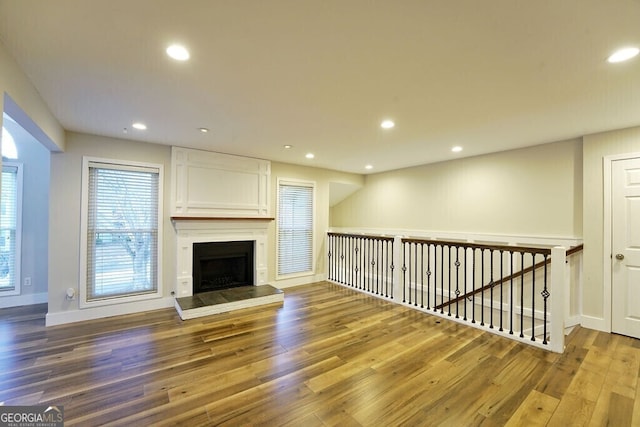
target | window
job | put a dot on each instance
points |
(9, 149)
(121, 231)
(10, 228)
(295, 227)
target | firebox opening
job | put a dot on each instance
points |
(222, 265)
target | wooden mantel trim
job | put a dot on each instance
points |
(221, 218)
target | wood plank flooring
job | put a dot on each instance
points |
(330, 356)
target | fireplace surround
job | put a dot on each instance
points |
(224, 232)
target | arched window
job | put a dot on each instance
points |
(9, 150)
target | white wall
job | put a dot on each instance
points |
(35, 214)
(15, 84)
(534, 191)
(596, 147)
(323, 179)
(19, 98)
(64, 211)
(64, 248)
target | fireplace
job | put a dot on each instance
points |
(193, 232)
(222, 265)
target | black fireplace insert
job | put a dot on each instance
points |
(222, 265)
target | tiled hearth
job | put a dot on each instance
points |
(214, 302)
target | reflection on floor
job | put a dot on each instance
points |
(214, 302)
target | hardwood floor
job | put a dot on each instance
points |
(330, 356)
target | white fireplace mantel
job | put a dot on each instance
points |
(190, 231)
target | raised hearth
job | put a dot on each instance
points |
(215, 302)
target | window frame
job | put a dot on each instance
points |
(84, 223)
(298, 183)
(17, 290)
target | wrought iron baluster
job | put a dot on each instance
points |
(372, 262)
(354, 261)
(386, 269)
(482, 287)
(457, 293)
(415, 271)
(329, 242)
(465, 282)
(511, 311)
(441, 279)
(501, 287)
(428, 273)
(391, 269)
(421, 275)
(404, 272)
(378, 242)
(545, 295)
(380, 269)
(491, 293)
(347, 250)
(522, 296)
(533, 298)
(339, 259)
(473, 285)
(362, 262)
(449, 280)
(367, 243)
(409, 288)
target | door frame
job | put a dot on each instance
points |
(607, 236)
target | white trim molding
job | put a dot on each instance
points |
(607, 222)
(84, 301)
(72, 316)
(201, 231)
(208, 184)
(26, 299)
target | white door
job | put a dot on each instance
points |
(625, 246)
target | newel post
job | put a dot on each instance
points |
(558, 290)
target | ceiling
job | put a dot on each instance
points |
(321, 75)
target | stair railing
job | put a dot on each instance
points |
(513, 291)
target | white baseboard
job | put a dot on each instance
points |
(19, 300)
(592, 322)
(297, 281)
(72, 316)
(572, 321)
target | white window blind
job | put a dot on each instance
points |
(122, 231)
(9, 211)
(295, 228)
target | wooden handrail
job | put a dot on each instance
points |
(360, 236)
(504, 248)
(529, 269)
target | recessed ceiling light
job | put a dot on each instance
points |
(203, 130)
(178, 52)
(309, 156)
(288, 146)
(139, 126)
(456, 149)
(387, 124)
(624, 54)
(368, 167)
